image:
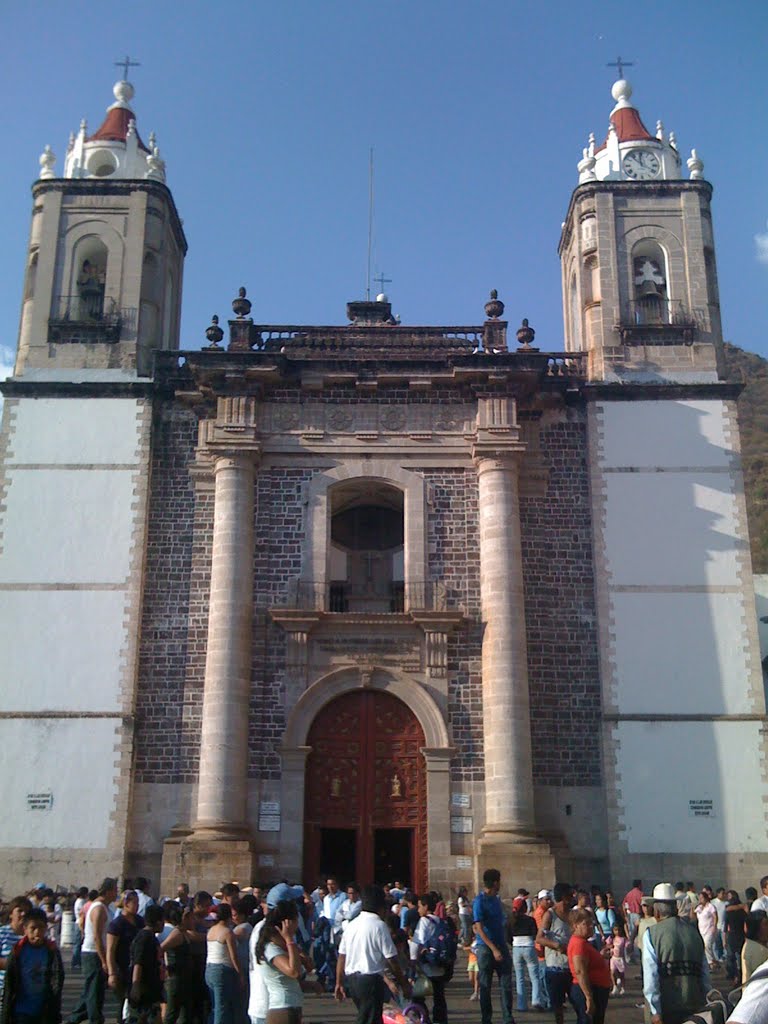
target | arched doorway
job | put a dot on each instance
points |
(365, 796)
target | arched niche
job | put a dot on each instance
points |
(379, 476)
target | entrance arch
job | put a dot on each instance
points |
(365, 795)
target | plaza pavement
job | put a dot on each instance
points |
(325, 1010)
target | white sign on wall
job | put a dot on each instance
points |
(39, 801)
(266, 860)
(461, 825)
(463, 862)
(460, 800)
(701, 809)
(269, 823)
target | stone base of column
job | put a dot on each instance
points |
(205, 858)
(524, 861)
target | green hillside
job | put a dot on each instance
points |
(752, 369)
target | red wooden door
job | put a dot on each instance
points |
(366, 773)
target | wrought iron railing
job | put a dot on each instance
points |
(341, 597)
(661, 313)
(89, 317)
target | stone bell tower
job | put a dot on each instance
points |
(106, 251)
(679, 658)
(101, 296)
(637, 252)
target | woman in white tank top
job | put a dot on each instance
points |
(222, 969)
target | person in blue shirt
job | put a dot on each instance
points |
(493, 955)
(34, 976)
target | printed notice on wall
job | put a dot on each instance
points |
(464, 862)
(269, 823)
(459, 799)
(460, 824)
(701, 809)
(39, 801)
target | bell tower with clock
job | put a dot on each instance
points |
(637, 251)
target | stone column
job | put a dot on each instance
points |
(509, 815)
(222, 791)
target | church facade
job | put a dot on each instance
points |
(385, 601)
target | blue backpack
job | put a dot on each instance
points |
(443, 944)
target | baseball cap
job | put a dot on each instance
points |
(283, 891)
(545, 894)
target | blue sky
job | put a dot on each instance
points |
(477, 113)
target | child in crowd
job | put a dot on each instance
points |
(618, 945)
(34, 975)
(472, 969)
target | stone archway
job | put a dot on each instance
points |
(295, 751)
(365, 796)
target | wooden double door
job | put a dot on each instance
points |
(365, 809)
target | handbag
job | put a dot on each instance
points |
(422, 987)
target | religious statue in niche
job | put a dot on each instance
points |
(335, 787)
(90, 287)
(397, 786)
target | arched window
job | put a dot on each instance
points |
(575, 332)
(90, 266)
(31, 278)
(649, 283)
(366, 563)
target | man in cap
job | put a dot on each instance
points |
(675, 971)
(543, 904)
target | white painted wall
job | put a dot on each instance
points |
(74, 760)
(681, 653)
(61, 649)
(663, 765)
(60, 431)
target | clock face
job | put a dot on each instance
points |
(641, 164)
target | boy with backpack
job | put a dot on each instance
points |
(34, 976)
(436, 945)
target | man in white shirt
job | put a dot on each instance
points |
(145, 900)
(719, 903)
(752, 1008)
(350, 908)
(365, 952)
(761, 903)
(332, 905)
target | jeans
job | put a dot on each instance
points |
(76, 949)
(579, 1003)
(465, 922)
(524, 958)
(91, 1005)
(559, 988)
(543, 984)
(487, 966)
(221, 980)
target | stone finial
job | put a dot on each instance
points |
(241, 305)
(494, 308)
(152, 140)
(83, 127)
(695, 166)
(673, 140)
(214, 333)
(155, 166)
(47, 161)
(525, 335)
(123, 93)
(622, 92)
(71, 143)
(131, 129)
(591, 141)
(659, 130)
(586, 166)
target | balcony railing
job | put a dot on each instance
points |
(660, 317)
(86, 318)
(368, 599)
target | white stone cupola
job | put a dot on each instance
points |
(115, 150)
(104, 268)
(630, 152)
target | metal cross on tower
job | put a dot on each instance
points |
(381, 281)
(620, 64)
(126, 63)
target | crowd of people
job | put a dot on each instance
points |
(248, 956)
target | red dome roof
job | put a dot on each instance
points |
(115, 127)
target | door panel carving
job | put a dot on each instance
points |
(366, 771)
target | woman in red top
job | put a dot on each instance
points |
(589, 969)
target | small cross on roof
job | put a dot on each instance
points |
(126, 63)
